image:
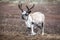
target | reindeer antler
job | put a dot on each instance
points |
(27, 7)
(32, 6)
(20, 7)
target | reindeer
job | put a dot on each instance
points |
(31, 19)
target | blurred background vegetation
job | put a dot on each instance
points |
(33, 1)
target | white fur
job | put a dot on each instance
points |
(36, 17)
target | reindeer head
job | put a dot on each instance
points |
(25, 13)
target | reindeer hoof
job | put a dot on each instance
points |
(42, 33)
(33, 33)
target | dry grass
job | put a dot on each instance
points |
(22, 36)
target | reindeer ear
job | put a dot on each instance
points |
(29, 11)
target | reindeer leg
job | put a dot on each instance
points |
(32, 30)
(42, 28)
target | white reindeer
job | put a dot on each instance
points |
(31, 19)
